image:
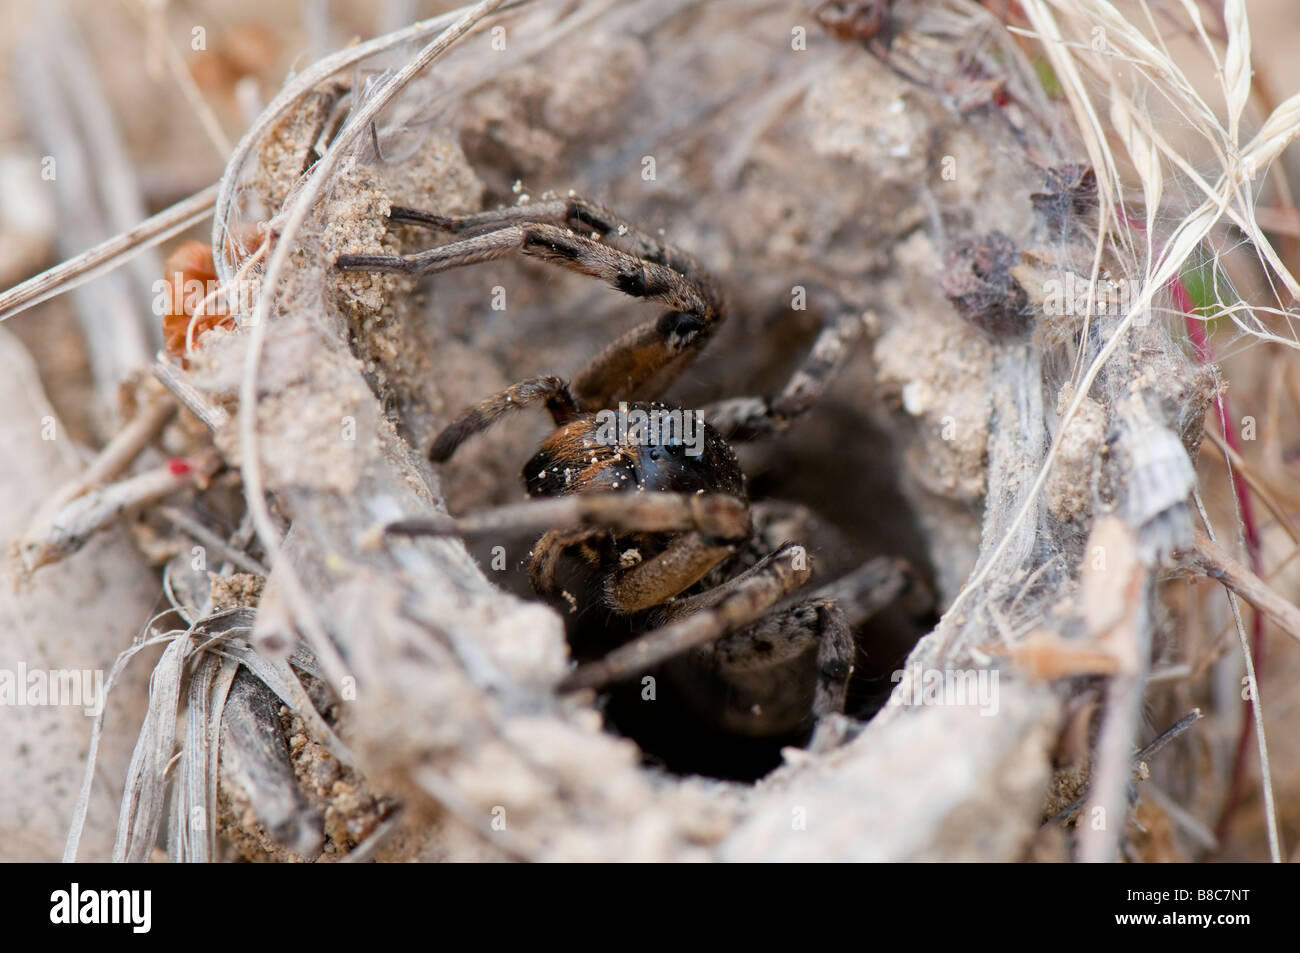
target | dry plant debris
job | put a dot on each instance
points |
(1047, 225)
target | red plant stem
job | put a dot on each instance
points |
(1201, 344)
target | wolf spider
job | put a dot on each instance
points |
(659, 543)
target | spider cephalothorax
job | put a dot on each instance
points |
(648, 500)
(641, 446)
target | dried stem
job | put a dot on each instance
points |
(201, 534)
(109, 254)
(1219, 564)
(118, 453)
(1265, 767)
(71, 525)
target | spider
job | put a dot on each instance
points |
(648, 537)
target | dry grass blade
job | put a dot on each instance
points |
(145, 798)
(1261, 741)
(194, 795)
(108, 254)
(96, 733)
(1236, 64)
(279, 677)
(144, 801)
(1181, 245)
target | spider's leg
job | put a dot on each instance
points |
(728, 607)
(835, 654)
(685, 561)
(544, 561)
(551, 390)
(711, 524)
(866, 590)
(466, 251)
(748, 418)
(641, 362)
(770, 678)
(715, 515)
(584, 217)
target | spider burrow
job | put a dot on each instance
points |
(648, 539)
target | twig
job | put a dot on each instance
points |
(72, 525)
(1265, 769)
(1126, 630)
(1239, 467)
(1220, 565)
(193, 399)
(1219, 642)
(208, 538)
(109, 254)
(117, 454)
